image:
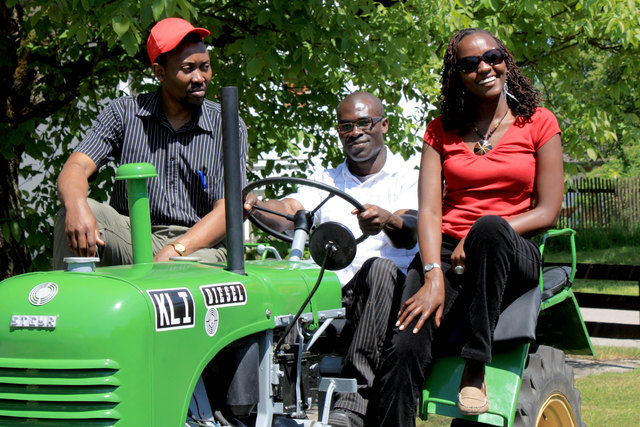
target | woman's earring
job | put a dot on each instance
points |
(505, 90)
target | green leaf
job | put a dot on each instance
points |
(16, 231)
(130, 43)
(6, 230)
(254, 67)
(120, 25)
(157, 7)
(146, 16)
(263, 17)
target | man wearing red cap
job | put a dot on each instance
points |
(178, 131)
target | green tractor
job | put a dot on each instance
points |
(186, 343)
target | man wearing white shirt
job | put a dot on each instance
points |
(393, 185)
(387, 187)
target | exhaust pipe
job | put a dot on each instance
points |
(136, 175)
(232, 180)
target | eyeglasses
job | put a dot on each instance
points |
(469, 64)
(365, 124)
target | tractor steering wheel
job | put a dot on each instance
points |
(299, 181)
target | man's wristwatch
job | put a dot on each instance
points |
(430, 267)
(179, 247)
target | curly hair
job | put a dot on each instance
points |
(457, 106)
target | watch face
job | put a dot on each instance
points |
(430, 267)
(179, 247)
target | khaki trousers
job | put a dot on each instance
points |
(115, 230)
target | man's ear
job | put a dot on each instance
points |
(158, 71)
(384, 125)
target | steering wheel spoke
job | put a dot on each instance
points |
(272, 212)
(317, 208)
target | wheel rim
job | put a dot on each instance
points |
(556, 412)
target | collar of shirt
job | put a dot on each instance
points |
(391, 165)
(152, 105)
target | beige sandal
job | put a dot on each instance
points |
(473, 401)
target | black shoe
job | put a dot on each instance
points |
(345, 418)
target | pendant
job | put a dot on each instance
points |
(482, 147)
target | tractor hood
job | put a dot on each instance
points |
(162, 297)
(87, 345)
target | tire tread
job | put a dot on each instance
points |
(546, 372)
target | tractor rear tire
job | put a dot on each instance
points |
(547, 394)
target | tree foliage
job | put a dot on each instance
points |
(292, 61)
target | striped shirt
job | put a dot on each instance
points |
(189, 161)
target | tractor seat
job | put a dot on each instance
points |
(554, 279)
(518, 321)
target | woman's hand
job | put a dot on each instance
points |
(458, 256)
(428, 300)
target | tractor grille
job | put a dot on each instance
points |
(58, 392)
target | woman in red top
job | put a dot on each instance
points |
(490, 177)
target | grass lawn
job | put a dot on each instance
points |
(434, 421)
(617, 255)
(610, 398)
(605, 287)
(615, 353)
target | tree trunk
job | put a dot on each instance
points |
(14, 256)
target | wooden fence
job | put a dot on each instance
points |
(602, 328)
(615, 302)
(600, 202)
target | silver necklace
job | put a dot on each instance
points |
(483, 146)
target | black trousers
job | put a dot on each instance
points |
(500, 266)
(369, 302)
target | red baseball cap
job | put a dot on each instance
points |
(168, 33)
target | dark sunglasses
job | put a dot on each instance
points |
(469, 64)
(365, 124)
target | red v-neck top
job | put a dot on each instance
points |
(500, 182)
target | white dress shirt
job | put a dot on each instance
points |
(394, 187)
